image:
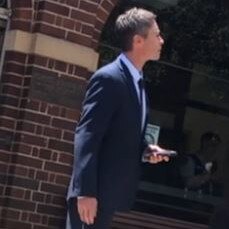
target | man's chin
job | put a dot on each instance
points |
(155, 58)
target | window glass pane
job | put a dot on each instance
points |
(188, 90)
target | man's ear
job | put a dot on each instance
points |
(137, 40)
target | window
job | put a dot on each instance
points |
(188, 91)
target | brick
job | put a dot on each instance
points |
(50, 30)
(46, 17)
(31, 174)
(35, 117)
(53, 7)
(40, 60)
(102, 15)
(96, 35)
(56, 222)
(52, 132)
(12, 79)
(33, 105)
(11, 90)
(69, 23)
(3, 179)
(27, 161)
(88, 30)
(3, 168)
(60, 145)
(39, 130)
(88, 6)
(83, 16)
(26, 126)
(50, 210)
(79, 39)
(42, 176)
(23, 182)
(80, 71)
(73, 2)
(66, 158)
(24, 216)
(8, 100)
(35, 218)
(14, 67)
(60, 66)
(21, 204)
(62, 180)
(31, 139)
(6, 139)
(27, 195)
(51, 63)
(44, 107)
(107, 6)
(48, 199)
(64, 124)
(29, 71)
(25, 92)
(18, 170)
(7, 123)
(58, 21)
(39, 197)
(25, 14)
(9, 112)
(22, 148)
(21, 25)
(58, 200)
(16, 224)
(70, 69)
(54, 156)
(68, 136)
(99, 25)
(51, 177)
(57, 168)
(70, 113)
(15, 56)
(14, 192)
(10, 214)
(53, 110)
(4, 157)
(53, 189)
(45, 154)
(41, 227)
(21, 3)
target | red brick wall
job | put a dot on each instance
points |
(36, 135)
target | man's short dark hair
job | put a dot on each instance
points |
(132, 22)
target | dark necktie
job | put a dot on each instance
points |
(141, 90)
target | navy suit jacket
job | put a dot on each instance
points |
(108, 140)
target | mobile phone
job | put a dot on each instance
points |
(168, 153)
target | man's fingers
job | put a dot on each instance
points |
(166, 159)
(87, 216)
(87, 209)
(84, 216)
(91, 216)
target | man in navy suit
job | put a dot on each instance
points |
(109, 139)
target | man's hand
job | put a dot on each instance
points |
(87, 208)
(152, 154)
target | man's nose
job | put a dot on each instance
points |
(161, 40)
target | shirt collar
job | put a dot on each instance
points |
(133, 70)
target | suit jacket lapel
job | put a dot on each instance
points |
(129, 81)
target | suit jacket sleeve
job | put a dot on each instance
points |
(99, 106)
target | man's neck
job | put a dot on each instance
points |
(136, 60)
